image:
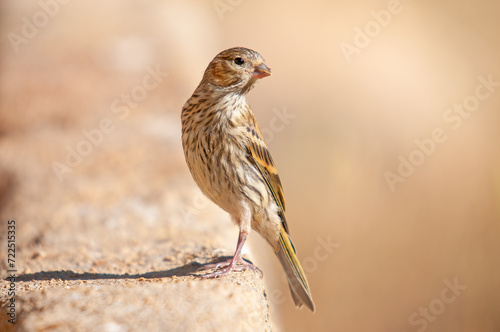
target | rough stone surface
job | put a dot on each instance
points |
(110, 227)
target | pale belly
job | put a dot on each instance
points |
(235, 185)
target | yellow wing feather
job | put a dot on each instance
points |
(261, 158)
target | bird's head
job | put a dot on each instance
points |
(235, 70)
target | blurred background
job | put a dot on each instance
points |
(383, 118)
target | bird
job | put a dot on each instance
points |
(231, 164)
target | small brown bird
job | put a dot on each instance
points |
(231, 164)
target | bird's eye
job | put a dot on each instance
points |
(239, 61)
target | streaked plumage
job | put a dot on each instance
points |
(231, 164)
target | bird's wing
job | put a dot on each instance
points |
(259, 155)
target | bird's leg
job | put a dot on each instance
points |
(236, 263)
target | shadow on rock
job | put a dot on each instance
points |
(190, 269)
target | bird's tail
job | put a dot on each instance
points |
(297, 281)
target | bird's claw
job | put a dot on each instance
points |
(224, 268)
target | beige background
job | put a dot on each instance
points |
(392, 251)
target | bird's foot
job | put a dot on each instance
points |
(226, 267)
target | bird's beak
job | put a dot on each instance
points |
(261, 71)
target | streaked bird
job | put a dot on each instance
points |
(228, 159)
